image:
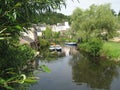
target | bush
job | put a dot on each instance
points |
(15, 57)
(43, 43)
(93, 46)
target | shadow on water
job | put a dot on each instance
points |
(75, 71)
(96, 74)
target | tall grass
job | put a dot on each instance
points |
(111, 50)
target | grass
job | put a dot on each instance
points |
(111, 50)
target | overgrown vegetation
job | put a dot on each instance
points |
(111, 50)
(53, 18)
(93, 47)
(96, 26)
(13, 63)
(15, 17)
(94, 22)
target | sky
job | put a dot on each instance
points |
(84, 4)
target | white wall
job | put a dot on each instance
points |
(58, 27)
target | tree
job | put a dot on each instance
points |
(53, 18)
(106, 21)
(47, 34)
(93, 21)
(118, 19)
(15, 16)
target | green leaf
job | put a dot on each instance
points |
(11, 79)
(0, 10)
(2, 81)
(8, 87)
(45, 68)
(18, 4)
(3, 30)
(31, 80)
(18, 27)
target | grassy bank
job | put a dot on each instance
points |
(111, 50)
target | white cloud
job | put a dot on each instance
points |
(84, 4)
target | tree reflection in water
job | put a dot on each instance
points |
(95, 73)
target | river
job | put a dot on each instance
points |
(75, 71)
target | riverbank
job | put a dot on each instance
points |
(111, 50)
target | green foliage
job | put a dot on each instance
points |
(111, 50)
(93, 46)
(53, 18)
(14, 56)
(45, 68)
(3, 84)
(43, 43)
(8, 84)
(15, 16)
(14, 13)
(30, 80)
(50, 36)
(47, 34)
(56, 35)
(93, 21)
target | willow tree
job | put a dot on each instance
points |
(118, 18)
(76, 20)
(106, 21)
(93, 21)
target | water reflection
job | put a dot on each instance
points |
(96, 73)
(74, 71)
(69, 50)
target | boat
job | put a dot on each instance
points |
(55, 48)
(58, 48)
(71, 44)
(52, 48)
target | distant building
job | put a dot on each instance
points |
(31, 36)
(41, 27)
(60, 27)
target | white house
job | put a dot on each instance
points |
(41, 27)
(30, 36)
(60, 27)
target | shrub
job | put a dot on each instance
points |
(43, 43)
(93, 46)
(14, 56)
